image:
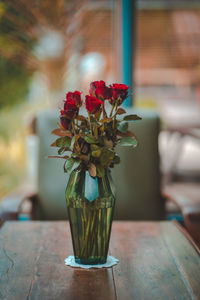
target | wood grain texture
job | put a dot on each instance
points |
(32, 265)
(156, 262)
(187, 235)
(187, 197)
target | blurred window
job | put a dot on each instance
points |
(168, 48)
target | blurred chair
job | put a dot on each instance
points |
(186, 196)
(136, 178)
(181, 178)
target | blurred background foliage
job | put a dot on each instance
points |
(14, 83)
(41, 46)
(12, 149)
(50, 46)
(14, 43)
(22, 25)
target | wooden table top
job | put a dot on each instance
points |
(156, 261)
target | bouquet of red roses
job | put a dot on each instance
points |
(89, 142)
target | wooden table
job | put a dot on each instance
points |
(156, 261)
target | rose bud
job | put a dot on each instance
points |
(99, 89)
(65, 122)
(70, 108)
(74, 96)
(119, 93)
(92, 104)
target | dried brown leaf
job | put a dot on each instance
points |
(53, 144)
(61, 132)
(80, 118)
(96, 131)
(108, 143)
(92, 170)
(84, 157)
(61, 127)
(126, 134)
(106, 120)
(120, 111)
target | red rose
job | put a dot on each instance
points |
(76, 96)
(99, 89)
(119, 93)
(70, 108)
(92, 104)
(69, 112)
(65, 122)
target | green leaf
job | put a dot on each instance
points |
(122, 126)
(90, 139)
(106, 156)
(61, 150)
(94, 147)
(128, 141)
(63, 141)
(132, 118)
(72, 142)
(100, 171)
(71, 164)
(96, 153)
(101, 140)
(68, 165)
(76, 164)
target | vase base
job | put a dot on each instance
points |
(91, 261)
(110, 261)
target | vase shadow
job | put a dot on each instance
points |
(91, 284)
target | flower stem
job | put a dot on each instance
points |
(90, 123)
(114, 120)
(111, 111)
(76, 124)
(73, 128)
(104, 111)
(96, 131)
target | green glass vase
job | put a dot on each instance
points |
(90, 204)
